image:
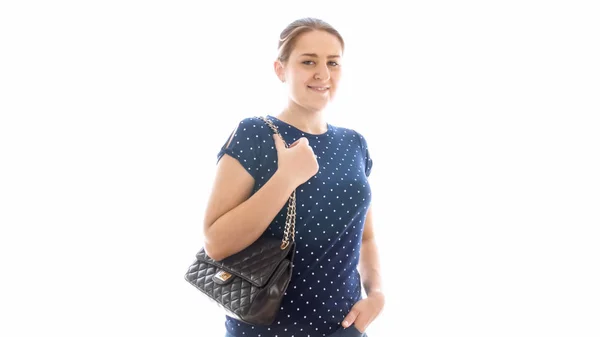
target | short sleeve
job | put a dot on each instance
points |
(368, 162)
(245, 145)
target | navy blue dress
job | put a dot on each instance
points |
(331, 210)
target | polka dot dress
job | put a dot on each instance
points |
(331, 210)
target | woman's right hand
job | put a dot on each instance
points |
(298, 162)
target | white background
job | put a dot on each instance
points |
(482, 119)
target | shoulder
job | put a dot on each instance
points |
(354, 135)
(251, 124)
(252, 127)
(361, 137)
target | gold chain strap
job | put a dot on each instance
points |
(290, 221)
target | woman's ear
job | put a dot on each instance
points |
(279, 70)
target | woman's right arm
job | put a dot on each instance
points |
(235, 217)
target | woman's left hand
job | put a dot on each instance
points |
(365, 311)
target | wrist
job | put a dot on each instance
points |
(285, 180)
(377, 293)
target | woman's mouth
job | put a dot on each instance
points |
(318, 89)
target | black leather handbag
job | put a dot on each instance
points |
(250, 284)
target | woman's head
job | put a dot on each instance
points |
(309, 62)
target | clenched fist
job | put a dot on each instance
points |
(297, 162)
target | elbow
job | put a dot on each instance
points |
(215, 246)
(213, 252)
(210, 248)
(216, 250)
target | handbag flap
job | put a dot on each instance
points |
(256, 263)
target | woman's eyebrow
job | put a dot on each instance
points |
(315, 55)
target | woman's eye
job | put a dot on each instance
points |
(331, 63)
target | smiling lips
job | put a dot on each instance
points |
(318, 89)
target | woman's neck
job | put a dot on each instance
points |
(308, 121)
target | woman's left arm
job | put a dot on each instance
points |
(368, 265)
(366, 310)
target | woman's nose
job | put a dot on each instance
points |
(322, 73)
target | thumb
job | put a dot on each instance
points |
(303, 140)
(279, 145)
(299, 141)
(296, 142)
(350, 318)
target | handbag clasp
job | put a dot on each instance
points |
(223, 275)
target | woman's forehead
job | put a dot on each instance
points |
(317, 44)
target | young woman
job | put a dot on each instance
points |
(328, 166)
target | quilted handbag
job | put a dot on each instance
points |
(250, 284)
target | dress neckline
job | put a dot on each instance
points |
(304, 133)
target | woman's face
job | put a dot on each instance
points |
(313, 70)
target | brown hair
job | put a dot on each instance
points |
(289, 35)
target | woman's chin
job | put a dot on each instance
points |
(318, 105)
